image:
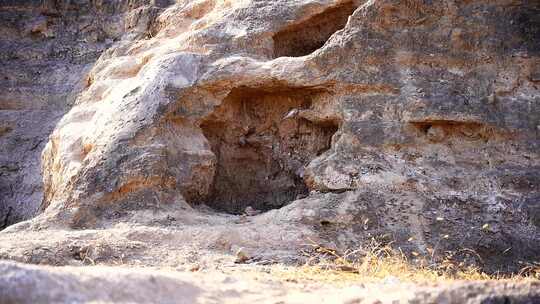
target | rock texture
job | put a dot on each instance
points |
(31, 284)
(46, 50)
(416, 122)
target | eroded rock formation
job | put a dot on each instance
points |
(414, 120)
(46, 50)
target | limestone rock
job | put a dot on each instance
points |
(46, 50)
(31, 284)
(407, 111)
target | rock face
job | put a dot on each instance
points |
(417, 120)
(47, 48)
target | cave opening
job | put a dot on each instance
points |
(310, 35)
(262, 145)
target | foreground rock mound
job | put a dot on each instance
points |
(413, 122)
(31, 284)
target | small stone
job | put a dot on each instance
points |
(242, 141)
(292, 113)
(241, 256)
(436, 133)
(250, 211)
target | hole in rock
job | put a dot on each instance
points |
(325, 223)
(305, 37)
(262, 145)
(442, 130)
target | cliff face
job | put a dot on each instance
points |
(345, 120)
(46, 50)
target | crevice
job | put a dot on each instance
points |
(262, 144)
(306, 37)
(6, 221)
(442, 130)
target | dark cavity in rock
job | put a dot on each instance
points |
(262, 144)
(306, 37)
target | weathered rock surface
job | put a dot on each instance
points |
(46, 50)
(33, 284)
(414, 120)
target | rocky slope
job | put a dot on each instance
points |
(412, 122)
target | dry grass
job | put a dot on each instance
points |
(383, 263)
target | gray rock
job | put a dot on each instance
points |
(409, 111)
(32, 284)
(47, 49)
